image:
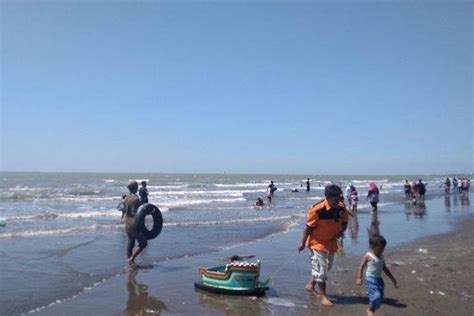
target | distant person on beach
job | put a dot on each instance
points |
(447, 185)
(272, 188)
(131, 205)
(354, 199)
(121, 206)
(420, 190)
(455, 184)
(326, 222)
(348, 193)
(308, 185)
(407, 189)
(269, 195)
(143, 193)
(373, 196)
(373, 262)
(259, 202)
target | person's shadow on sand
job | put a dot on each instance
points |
(139, 301)
(350, 300)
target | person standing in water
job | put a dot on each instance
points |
(143, 193)
(272, 188)
(131, 203)
(407, 189)
(326, 222)
(373, 196)
(308, 185)
(447, 185)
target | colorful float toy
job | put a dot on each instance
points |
(235, 278)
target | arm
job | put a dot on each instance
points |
(306, 233)
(390, 275)
(360, 270)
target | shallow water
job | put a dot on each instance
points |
(63, 232)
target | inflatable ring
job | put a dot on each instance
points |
(143, 211)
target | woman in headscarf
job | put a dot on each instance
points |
(373, 196)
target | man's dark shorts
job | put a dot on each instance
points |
(133, 235)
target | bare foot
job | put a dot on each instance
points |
(325, 301)
(311, 290)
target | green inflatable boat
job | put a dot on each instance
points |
(234, 278)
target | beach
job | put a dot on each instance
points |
(434, 274)
(84, 272)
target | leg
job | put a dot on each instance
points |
(310, 286)
(324, 298)
(131, 244)
(142, 243)
(322, 262)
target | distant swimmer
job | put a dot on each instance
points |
(308, 185)
(295, 190)
(131, 204)
(143, 193)
(259, 202)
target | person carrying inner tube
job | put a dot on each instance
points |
(131, 204)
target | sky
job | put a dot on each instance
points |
(313, 87)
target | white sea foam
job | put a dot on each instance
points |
(93, 227)
(185, 202)
(232, 221)
(55, 232)
(203, 192)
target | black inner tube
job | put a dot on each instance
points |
(143, 211)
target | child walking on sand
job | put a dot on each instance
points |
(375, 264)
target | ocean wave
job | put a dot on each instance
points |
(234, 221)
(94, 227)
(55, 232)
(184, 202)
(204, 192)
(166, 187)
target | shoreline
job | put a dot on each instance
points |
(167, 287)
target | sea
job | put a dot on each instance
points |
(61, 233)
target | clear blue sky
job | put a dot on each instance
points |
(244, 87)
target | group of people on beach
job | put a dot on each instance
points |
(326, 223)
(459, 185)
(416, 191)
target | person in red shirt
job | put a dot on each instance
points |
(326, 222)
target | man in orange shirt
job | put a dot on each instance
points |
(326, 222)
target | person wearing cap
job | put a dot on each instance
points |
(131, 203)
(326, 222)
(143, 193)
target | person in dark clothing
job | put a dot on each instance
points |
(407, 189)
(143, 193)
(272, 188)
(308, 185)
(131, 204)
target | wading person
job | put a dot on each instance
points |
(131, 204)
(143, 193)
(326, 222)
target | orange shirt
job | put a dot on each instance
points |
(327, 225)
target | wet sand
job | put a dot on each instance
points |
(434, 273)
